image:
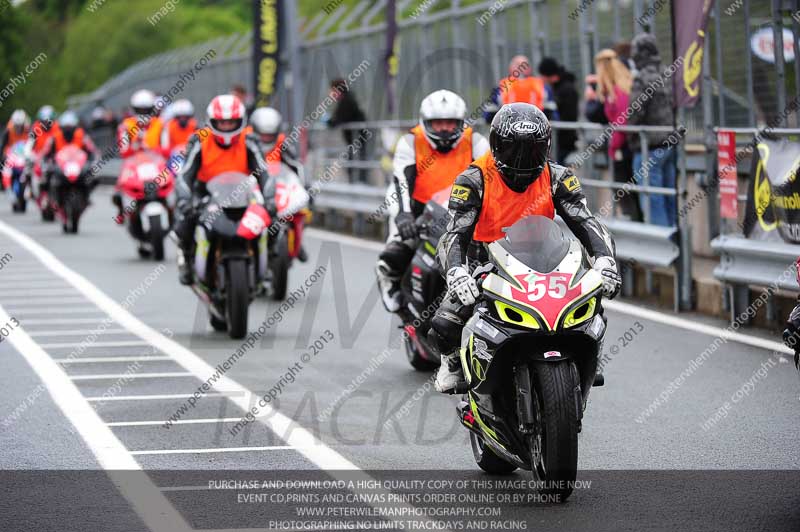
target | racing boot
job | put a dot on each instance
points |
(185, 275)
(450, 377)
(388, 286)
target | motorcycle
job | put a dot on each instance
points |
(530, 352)
(422, 286)
(40, 193)
(13, 176)
(177, 156)
(144, 184)
(286, 237)
(230, 249)
(71, 187)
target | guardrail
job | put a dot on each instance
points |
(745, 263)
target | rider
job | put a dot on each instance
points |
(426, 160)
(142, 131)
(180, 127)
(266, 123)
(16, 130)
(514, 180)
(41, 132)
(791, 334)
(221, 147)
(69, 133)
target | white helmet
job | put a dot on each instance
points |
(442, 105)
(68, 119)
(19, 120)
(182, 107)
(46, 113)
(267, 121)
(143, 102)
(226, 107)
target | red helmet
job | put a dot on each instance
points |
(226, 118)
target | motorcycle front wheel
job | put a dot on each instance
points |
(237, 298)
(554, 448)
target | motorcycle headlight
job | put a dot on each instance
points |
(515, 316)
(580, 313)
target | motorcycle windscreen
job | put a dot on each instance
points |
(290, 194)
(232, 190)
(536, 241)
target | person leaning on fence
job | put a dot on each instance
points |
(614, 82)
(562, 84)
(347, 111)
(651, 105)
(521, 86)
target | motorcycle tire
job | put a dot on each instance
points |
(157, 238)
(486, 459)
(558, 415)
(279, 264)
(237, 298)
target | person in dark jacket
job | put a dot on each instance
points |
(348, 111)
(651, 105)
(566, 97)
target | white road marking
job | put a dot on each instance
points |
(121, 468)
(77, 332)
(61, 311)
(616, 306)
(285, 427)
(179, 422)
(64, 321)
(50, 301)
(218, 450)
(199, 421)
(40, 293)
(159, 375)
(104, 360)
(121, 343)
(157, 397)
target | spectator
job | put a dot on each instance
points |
(566, 101)
(521, 86)
(240, 92)
(655, 110)
(613, 89)
(347, 111)
(623, 50)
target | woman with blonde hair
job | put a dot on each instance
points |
(614, 82)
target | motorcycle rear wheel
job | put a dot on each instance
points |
(486, 459)
(415, 358)
(558, 418)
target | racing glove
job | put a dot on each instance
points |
(607, 268)
(406, 225)
(790, 334)
(461, 283)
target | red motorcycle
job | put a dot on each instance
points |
(39, 191)
(14, 176)
(144, 185)
(71, 187)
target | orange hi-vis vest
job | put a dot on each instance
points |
(525, 90)
(14, 137)
(42, 136)
(215, 160)
(177, 135)
(274, 155)
(502, 207)
(436, 170)
(60, 141)
(152, 133)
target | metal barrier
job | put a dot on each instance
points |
(643, 244)
(745, 262)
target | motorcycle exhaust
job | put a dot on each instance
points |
(203, 296)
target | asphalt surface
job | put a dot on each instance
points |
(759, 429)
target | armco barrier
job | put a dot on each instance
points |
(745, 263)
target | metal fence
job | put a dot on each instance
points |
(466, 48)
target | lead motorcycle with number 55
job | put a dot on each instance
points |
(530, 353)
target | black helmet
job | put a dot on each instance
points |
(520, 141)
